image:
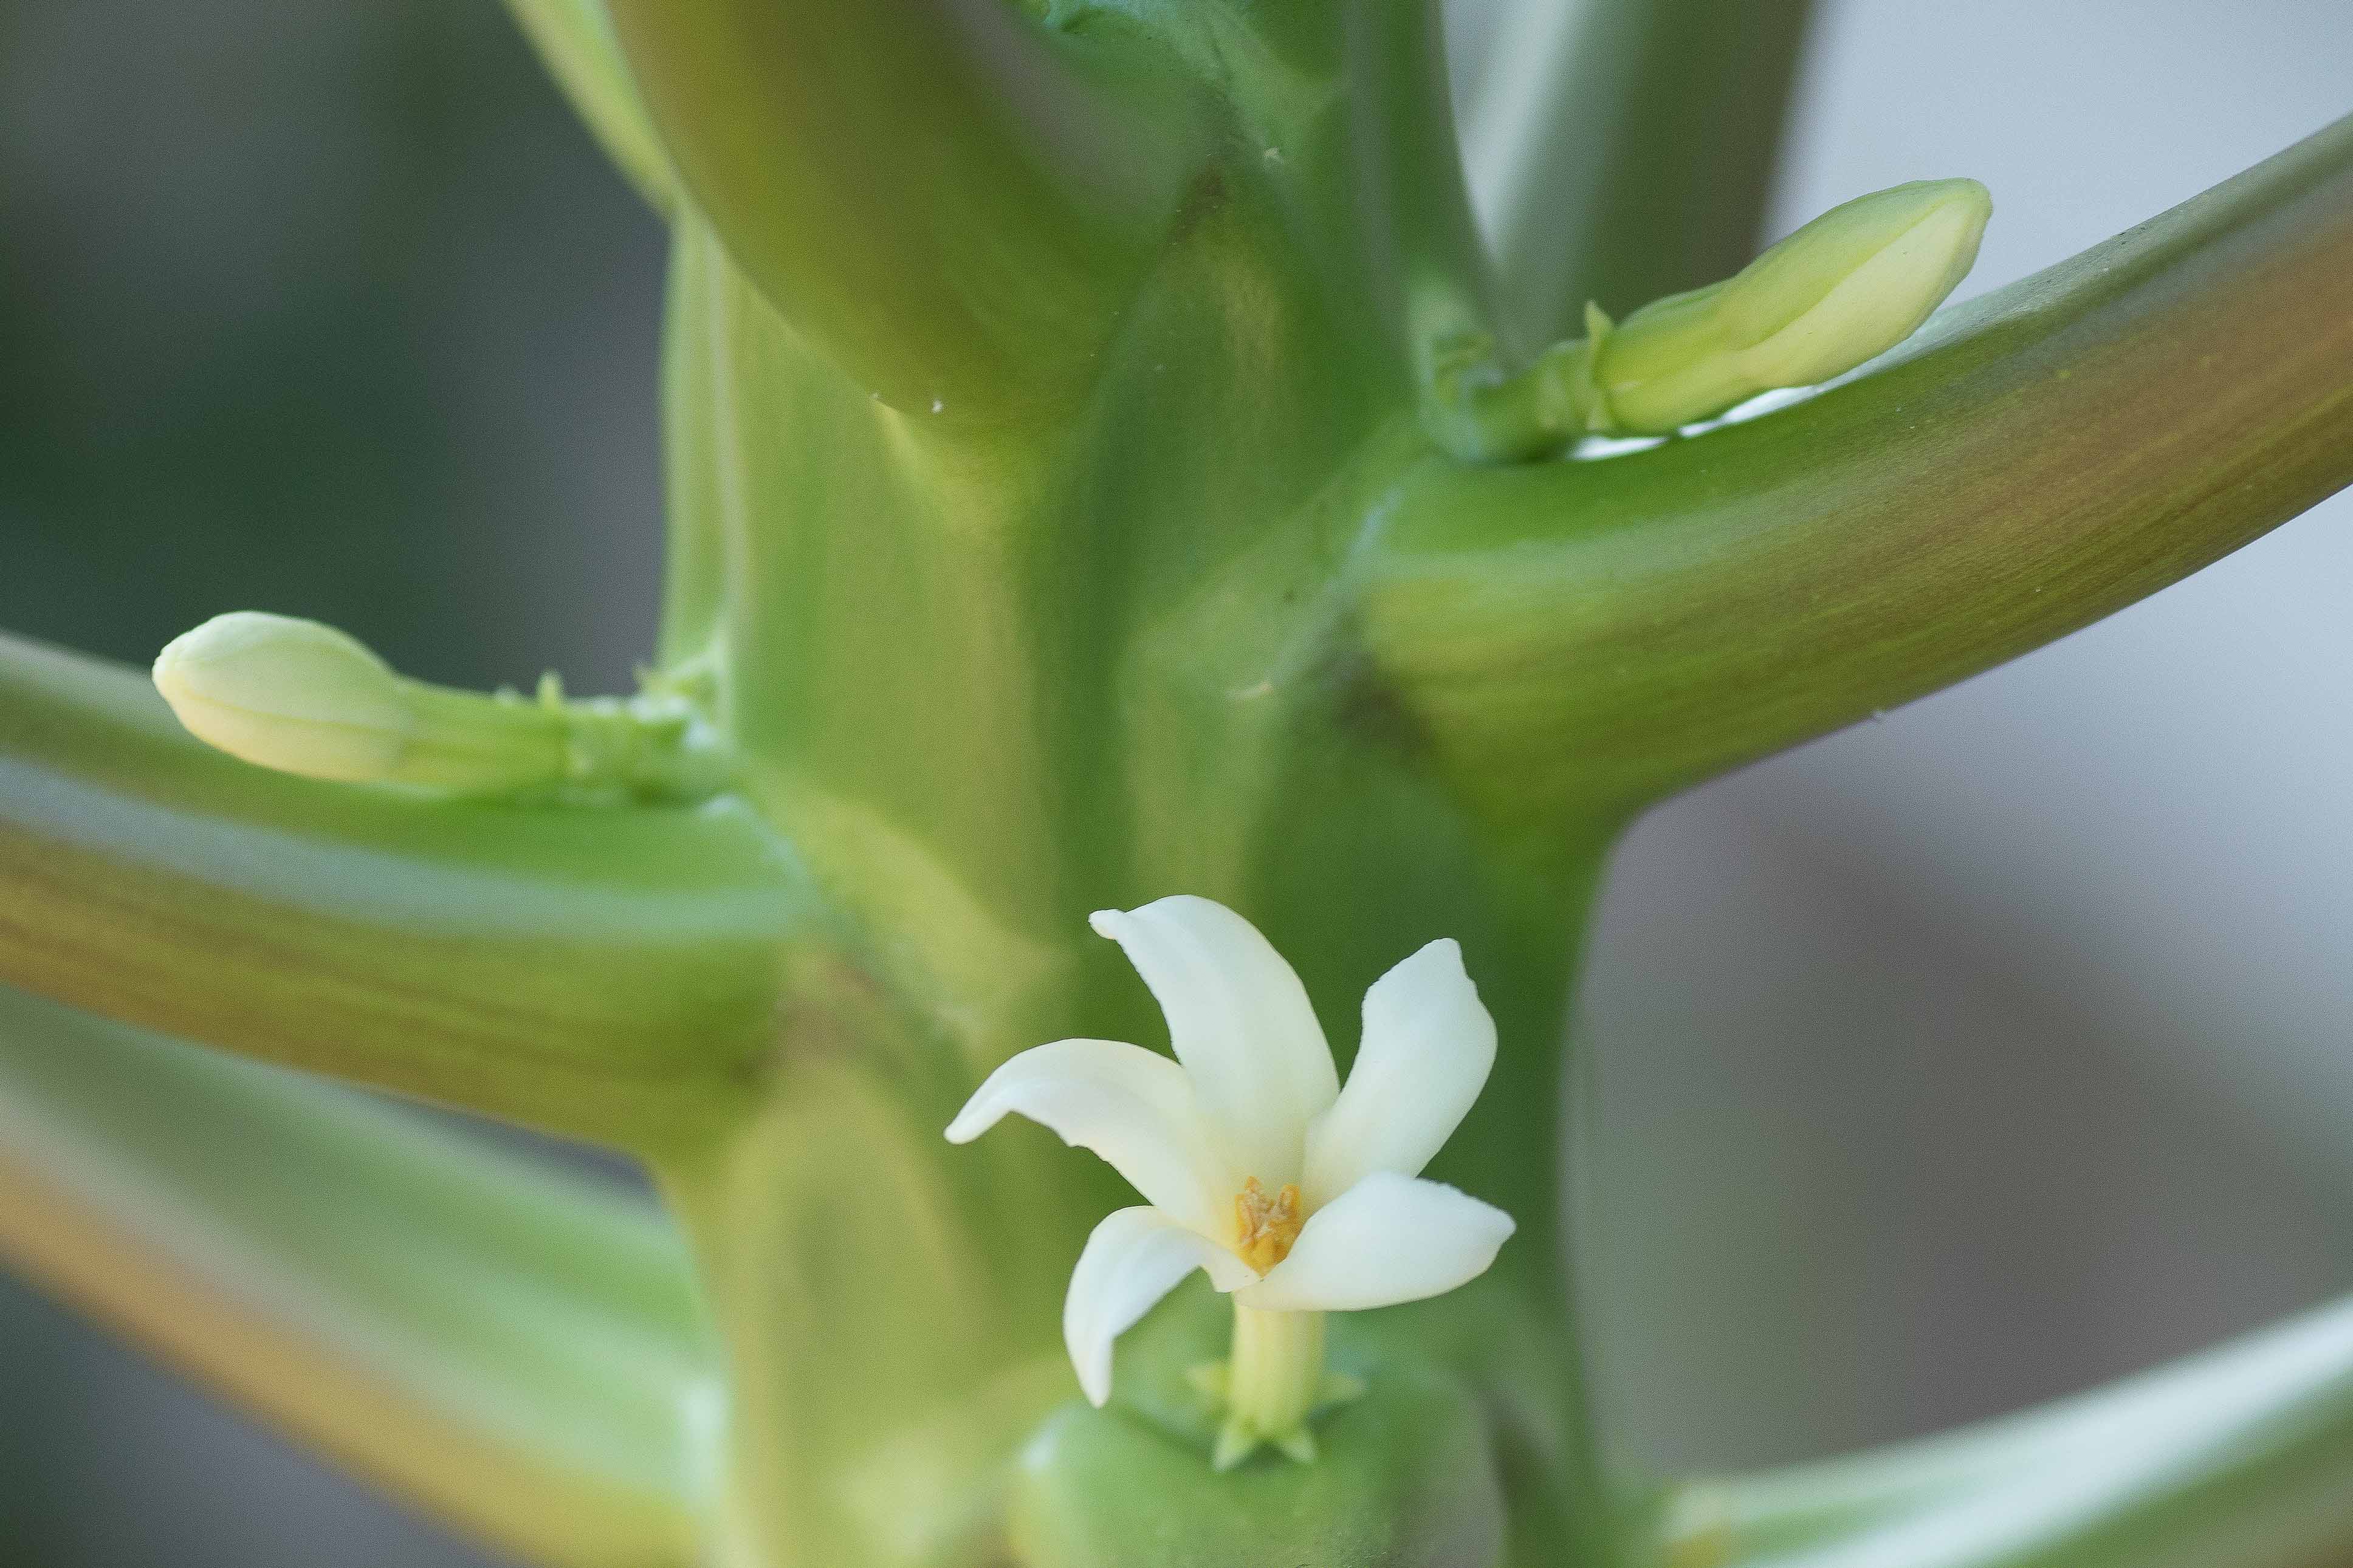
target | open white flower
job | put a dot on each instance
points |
(1296, 1195)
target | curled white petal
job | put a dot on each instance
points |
(1388, 1239)
(1133, 1258)
(1131, 1106)
(1241, 1024)
(1428, 1044)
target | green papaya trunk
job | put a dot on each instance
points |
(986, 684)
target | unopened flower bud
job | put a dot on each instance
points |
(1846, 287)
(288, 694)
(298, 698)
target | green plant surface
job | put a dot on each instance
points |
(592, 973)
(973, 237)
(2036, 459)
(1061, 517)
(2236, 1455)
(522, 1355)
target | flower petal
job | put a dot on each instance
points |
(1427, 1048)
(1241, 1023)
(1388, 1239)
(1133, 1258)
(1131, 1105)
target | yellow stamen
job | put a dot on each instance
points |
(1267, 1226)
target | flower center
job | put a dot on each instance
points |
(1267, 1225)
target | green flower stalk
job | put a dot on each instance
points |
(1106, 462)
(304, 699)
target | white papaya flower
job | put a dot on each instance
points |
(1297, 1196)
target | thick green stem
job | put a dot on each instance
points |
(2243, 1455)
(1622, 149)
(986, 712)
(607, 973)
(523, 1354)
(1350, 108)
(948, 198)
(1578, 634)
(1384, 161)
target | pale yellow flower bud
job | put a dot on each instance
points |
(300, 698)
(1846, 287)
(288, 694)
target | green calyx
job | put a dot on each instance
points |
(1272, 1387)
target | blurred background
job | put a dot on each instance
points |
(1977, 1055)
